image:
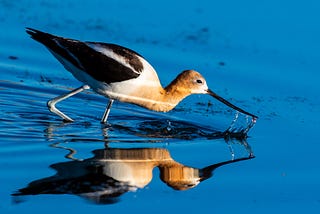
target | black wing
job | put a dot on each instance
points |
(89, 57)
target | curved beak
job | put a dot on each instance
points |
(230, 104)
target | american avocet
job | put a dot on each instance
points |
(120, 74)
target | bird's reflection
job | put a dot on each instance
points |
(112, 172)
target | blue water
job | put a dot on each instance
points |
(262, 56)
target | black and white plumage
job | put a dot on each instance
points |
(96, 59)
(120, 74)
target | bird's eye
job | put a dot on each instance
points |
(199, 81)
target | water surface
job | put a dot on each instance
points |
(144, 161)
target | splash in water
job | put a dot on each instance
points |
(236, 129)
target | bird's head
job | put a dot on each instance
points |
(192, 82)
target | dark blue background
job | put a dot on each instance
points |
(262, 55)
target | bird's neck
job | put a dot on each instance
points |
(158, 98)
(169, 96)
(174, 92)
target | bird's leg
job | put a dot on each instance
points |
(51, 103)
(106, 112)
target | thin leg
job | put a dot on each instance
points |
(106, 112)
(51, 103)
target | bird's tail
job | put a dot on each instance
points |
(58, 46)
(42, 37)
(37, 34)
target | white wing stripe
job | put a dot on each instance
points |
(109, 53)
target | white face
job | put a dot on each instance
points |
(199, 85)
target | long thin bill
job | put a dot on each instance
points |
(230, 104)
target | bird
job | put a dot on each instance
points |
(121, 74)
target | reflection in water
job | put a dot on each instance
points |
(113, 172)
